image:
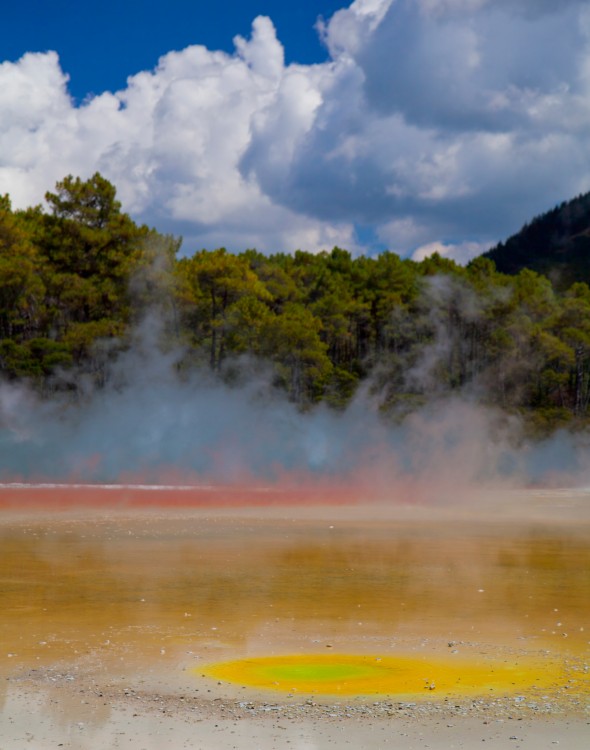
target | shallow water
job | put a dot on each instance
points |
(116, 593)
(106, 615)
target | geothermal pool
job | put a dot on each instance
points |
(289, 604)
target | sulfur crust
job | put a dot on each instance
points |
(385, 675)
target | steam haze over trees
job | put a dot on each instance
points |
(339, 199)
(77, 280)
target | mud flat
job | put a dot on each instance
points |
(111, 618)
(80, 717)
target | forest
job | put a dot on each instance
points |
(79, 276)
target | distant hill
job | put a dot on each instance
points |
(556, 244)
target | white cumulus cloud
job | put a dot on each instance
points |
(461, 253)
(435, 123)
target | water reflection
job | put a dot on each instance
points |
(111, 588)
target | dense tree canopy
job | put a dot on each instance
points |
(76, 278)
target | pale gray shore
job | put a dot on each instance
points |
(77, 716)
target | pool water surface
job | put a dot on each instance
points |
(413, 606)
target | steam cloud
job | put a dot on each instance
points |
(150, 425)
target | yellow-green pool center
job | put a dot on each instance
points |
(369, 674)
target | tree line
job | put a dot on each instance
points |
(78, 277)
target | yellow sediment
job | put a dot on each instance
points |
(348, 674)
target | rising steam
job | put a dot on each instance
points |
(148, 423)
(158, 426)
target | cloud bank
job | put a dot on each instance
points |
(433, 124)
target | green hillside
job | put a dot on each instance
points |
(556, 244)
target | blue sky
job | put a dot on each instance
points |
(101, 44)
(413, 125)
